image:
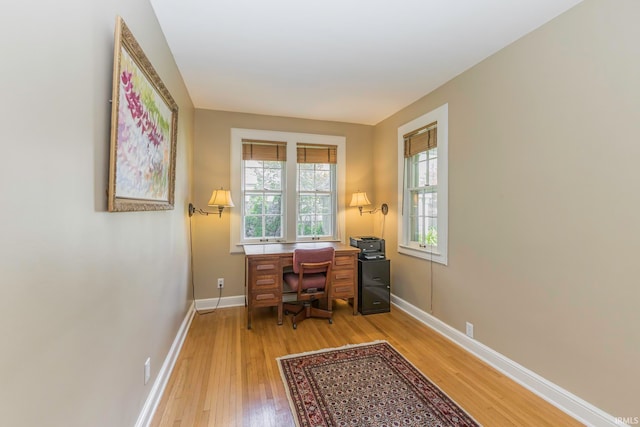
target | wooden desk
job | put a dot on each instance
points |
(264, 265)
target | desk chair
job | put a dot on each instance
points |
(311, 281)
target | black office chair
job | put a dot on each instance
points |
(311, 281)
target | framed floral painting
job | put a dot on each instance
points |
(144, 120)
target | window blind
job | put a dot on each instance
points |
(270, 151)
(312, 153)
(423, 139)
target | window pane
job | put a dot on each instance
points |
(253, 178)
(414, 232)
(423, 217)
(422, 174)
(324, 225)
(323, 204)
(306, 180)
(252, 226)
(273, 226)
(273, 179)
(323, 181)
(421, 211)
(412, 180)
(323, 166)
(305, 225)
(253, 204)
(433, 172)
(272, 204)
(432, 204)
(431, 238)
(414, 203)
(315, 225)
(306, 204)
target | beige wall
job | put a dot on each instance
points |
(85, 295)
(543, 203)
(212, 170)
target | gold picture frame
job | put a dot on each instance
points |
(144, 121)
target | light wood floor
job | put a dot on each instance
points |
(227, 375)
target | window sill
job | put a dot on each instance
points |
(423, 253)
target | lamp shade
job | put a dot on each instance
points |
(221, 198)
(359, 199)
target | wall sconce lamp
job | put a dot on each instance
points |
(360, 199)
(219, 198)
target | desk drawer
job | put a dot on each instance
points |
(343, 283)
(265, 299)
(264, 266)
(344, 262)
(265, 274)
(266, 282)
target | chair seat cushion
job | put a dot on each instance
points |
(315, 280)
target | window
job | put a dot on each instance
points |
(316, 183)
(263, 190)
(290, 185)
(422, 186)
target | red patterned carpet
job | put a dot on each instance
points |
(365, 385)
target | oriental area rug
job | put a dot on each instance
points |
(365, 385)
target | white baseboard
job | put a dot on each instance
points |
(557, 396)
(211, 303)
(151, 404)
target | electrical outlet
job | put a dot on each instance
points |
(147, 370)
(470, 330)
(221, 283)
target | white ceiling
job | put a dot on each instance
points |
(355, 61)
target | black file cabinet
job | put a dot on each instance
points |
(374, 286)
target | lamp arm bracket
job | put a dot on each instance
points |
(384, 208)
(193, 210)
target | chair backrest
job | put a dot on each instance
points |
(311, 275)
(311, 256)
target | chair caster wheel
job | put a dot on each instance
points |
(295, 326)
(286, 312)
(331, 321)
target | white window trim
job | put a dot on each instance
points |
(441, 115)
(292, 139)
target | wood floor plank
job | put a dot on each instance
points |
(227, 375)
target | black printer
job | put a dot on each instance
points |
(371, 248)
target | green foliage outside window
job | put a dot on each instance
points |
(431, 238)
